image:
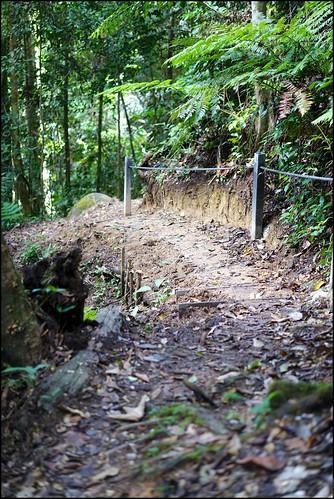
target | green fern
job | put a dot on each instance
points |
(10, 212)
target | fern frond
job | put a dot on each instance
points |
(294, 96)
(303, 101)
(327, 116)
(10, 212)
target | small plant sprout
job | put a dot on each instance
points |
(26, 374)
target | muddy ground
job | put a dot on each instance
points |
(194, 379)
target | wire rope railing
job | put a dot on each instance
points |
(259, 170)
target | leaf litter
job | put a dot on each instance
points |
(186, 409)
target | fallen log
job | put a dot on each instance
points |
(68, 380)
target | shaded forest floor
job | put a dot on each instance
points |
(195, 380)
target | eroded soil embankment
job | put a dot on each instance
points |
(229, 204)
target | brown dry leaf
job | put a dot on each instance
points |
(71, 420)
(294, 443)
(270, 463)
(113, 370)
(143, 489)
(107, 471)
(142, 376)
(156, 392)
(82, 414)
(132, 413)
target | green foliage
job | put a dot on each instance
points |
(32, 254)
(10, 213)
(181, 414)
(89, 313)
(160, 295)
(187, 71)
(26, 375)
(308, 217)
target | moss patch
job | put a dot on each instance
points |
(87, 202)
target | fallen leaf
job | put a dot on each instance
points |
(318, 285)
(257, 343)
(142, 376)
(296, 316)
(26, 492)
(155, 394)
(163, 316)
(270, 463)
(231, 374)
(132, 413)
(113, 370)
(108, 471)
(294, 443)
(82, 414)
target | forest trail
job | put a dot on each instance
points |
(194, 382)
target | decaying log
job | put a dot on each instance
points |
(57, 288)
(109, 334)
(71, 377)
(68, 380)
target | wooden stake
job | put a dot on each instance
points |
(122, 271)
(128, 268)
(139, 279)
(131, 286)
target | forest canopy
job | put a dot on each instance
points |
(86, 83)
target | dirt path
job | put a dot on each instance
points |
(197, 379)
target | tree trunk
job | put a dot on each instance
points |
(41, 115)
(22, 188)
(129, 128)
(20, 333)
(169, 72)
(119, 146)
(99, 144)
(6, 166)
(35, 174)
(66, 133)
(265, 118)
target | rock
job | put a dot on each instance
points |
(87, 202)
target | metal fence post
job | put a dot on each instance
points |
(127, 185)
(258, 196)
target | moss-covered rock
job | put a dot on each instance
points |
(300, 397)
(87, 202)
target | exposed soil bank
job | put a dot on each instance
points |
(228, 204)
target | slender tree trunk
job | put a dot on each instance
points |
(36, 191)
(66, 132)
(119, 148)
(20, 333)
(129, 128)
(22, 188)
(169, 72)
(41, 114)
(265, 116)
(99, 144)
(6, 165)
